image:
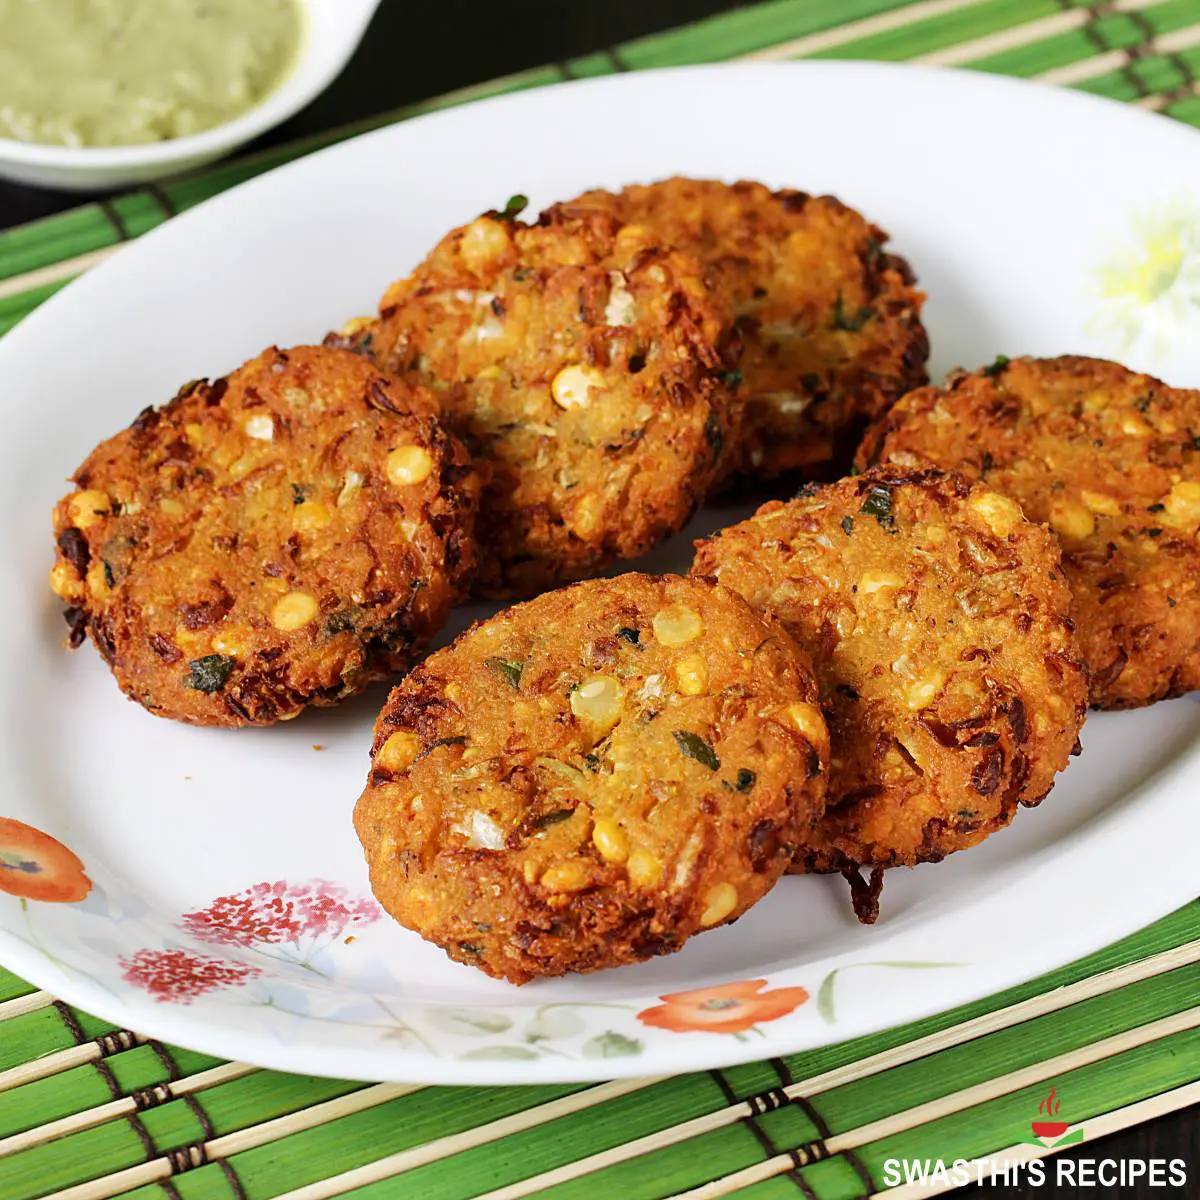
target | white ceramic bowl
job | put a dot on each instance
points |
(332, 31)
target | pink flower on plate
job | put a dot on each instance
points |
(178, 976)
(274, 913)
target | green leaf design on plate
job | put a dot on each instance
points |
(611, 1045)
(557, 1022)
(498, 1054)
(469, 1022)
(825, 1004)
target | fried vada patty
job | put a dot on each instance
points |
(831, 323)
(270, 540)
(590, 778)
(1110, 459)
(582, 362)
(936, 618)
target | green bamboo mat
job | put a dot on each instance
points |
(88, 1111)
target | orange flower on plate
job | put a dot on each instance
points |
(36, 866)
(730, 1008)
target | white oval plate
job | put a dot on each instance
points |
(1040, 221)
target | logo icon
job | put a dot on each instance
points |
(1048, 1132)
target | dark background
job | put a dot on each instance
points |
(415, 50)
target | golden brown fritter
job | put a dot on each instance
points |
(592, 777)
(273, 539)
(1111, 461)
(831, 323)
(936, 617)
(583, 363)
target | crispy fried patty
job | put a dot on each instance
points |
(273, 539)
(1110, 460)
(831, 322)
(582, 363)
(590, 778)
(936, 617)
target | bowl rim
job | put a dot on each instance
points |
(316, 64)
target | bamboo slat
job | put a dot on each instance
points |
(1100, 64)
(21, 1005)
(955, 1102)
(89, 1118)
(245, 1139)
(60, 1060)
(1020, 36)
(842, 35)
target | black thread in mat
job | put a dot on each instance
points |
(133, 1119)
(725, 1086)
(197, 1110)
(114, 219)
(141, 1133)
(1187, 79)
(110, 1080)
(164, 1056)
(116, 1042)
(801, 1156)
(1100, 42)
(765, 1102)
(68, 1019)
(822, 1127)
(618, 63)
(105, 1072)
(186, 1158)
(760, 1135)
(232, 1180)
(1146, 48)
(206, 1126)
(160, 198)
(231, 1177)
(171, 1190)
(151, 1097)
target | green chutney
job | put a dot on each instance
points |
(123, 72)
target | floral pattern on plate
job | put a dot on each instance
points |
(735, 1008)
(178, 976)
(306, 917)
(277, 939)
(1148, 289)
(35, 866)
